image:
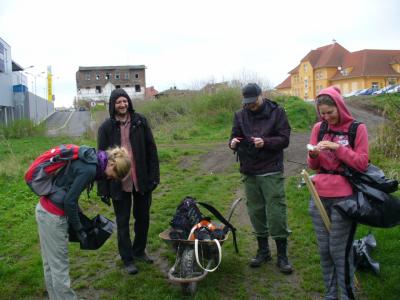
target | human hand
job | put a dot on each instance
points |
(234, 142)
(327, 145)
(258, 142)
(106, 200)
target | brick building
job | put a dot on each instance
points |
(97, 83)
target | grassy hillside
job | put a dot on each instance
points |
(185, 130)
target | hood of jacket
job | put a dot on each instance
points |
(88, 154)
(345, 117)
(115, 94)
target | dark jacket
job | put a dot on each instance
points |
(72, 181)
(269, 123)
(143, 146)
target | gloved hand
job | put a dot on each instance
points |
(83, 238)
(106, 200)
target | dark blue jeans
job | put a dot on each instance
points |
(140, 204)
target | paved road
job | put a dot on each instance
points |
(68, 123)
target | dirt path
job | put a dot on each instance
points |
(220, 159)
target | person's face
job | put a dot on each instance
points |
(329, 113)
(110, 172)
(121, 106)
(255, 105)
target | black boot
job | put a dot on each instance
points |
(283, 261)
(263, 253)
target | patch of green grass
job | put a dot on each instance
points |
(187, 130)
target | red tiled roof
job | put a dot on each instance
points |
(151, 91)
(326, 56)
(286, 84)
(370, 63)
(295, 70)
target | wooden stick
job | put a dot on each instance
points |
(322, 211)
(317, 200)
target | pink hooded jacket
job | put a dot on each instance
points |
(332, 185)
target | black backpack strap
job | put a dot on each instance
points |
(322, 130)
(219, 216)
(353, 132)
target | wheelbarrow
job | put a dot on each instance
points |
(194, 258)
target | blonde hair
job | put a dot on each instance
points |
(120, 156)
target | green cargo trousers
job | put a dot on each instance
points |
(266, 205)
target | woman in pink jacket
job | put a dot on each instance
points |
(328, 157)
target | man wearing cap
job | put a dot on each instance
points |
(260, 132)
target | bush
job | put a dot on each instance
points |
(388, 138)
(22, 128)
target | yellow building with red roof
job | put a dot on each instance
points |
(350, 71)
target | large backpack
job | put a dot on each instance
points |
(41, 173)
(188, 215)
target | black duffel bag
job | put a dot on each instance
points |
(98, 230)
(371, 212)
(374, 205)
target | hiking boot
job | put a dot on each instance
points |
(131, 269)
(283, 261)
(143, 258)
(263, 253)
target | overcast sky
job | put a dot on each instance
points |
(186, 43)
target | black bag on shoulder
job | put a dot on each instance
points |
(373, 206)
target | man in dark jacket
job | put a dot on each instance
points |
(260, 132)
(131, 130)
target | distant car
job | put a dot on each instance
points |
(394, 89)
(353, 93)
(383, 90)
(366, 92)
(360, 92)
(82, 108)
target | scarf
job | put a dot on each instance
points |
(102, 164)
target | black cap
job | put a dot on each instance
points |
(250, 92)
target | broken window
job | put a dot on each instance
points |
(97, 77)
(108, 76)
(137, 88)
(98, 89)
(116, 76)
(117, 86)
(136, 75)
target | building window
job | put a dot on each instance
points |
(306, 84)
(137, 88)
(375, 86)
(305, 68)
(127, 85)
(136, 75)
(117, 76)
(97, 77)
(126, 76)
(108, 76)
(117, 86)
(98, 89)
(87, 76)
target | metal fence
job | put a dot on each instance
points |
(26, 106)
